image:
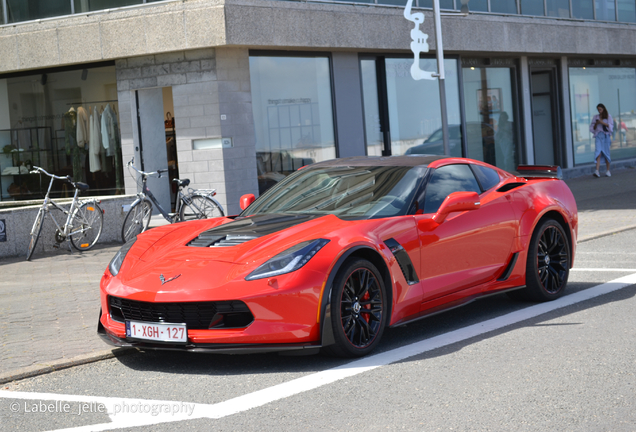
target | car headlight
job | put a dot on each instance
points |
(290, 260)
(118, 259)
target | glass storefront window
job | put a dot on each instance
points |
(532, 7)
(21, 10)
(46, 127)
(605, 10)
(616, 89)
(490, 114)
(293, 114)
(626, 10)
(583, 9)
(414, 110)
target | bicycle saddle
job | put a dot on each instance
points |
(182, 183)
(81, 186)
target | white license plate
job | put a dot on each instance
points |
(157, 331)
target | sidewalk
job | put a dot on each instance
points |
(49, 307)
(606, 204)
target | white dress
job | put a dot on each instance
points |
(95, 141)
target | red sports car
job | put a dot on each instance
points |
(337, 251)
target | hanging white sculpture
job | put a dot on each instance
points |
(418, 44)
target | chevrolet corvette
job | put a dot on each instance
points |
(339, 250)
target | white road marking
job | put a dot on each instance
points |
(188, 411)
(604, 270)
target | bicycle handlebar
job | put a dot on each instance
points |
(158, 173)
(38, 170)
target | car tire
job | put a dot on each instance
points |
(358, 309)
(548, 264)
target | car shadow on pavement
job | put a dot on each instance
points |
(207, 364)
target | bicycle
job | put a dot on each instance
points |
(196, 204)
(84, 218)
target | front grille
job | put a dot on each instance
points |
(196, 315)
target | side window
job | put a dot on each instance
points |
(488, 177)
(446, 180)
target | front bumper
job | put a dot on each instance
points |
(219, 348)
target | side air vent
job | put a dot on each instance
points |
(509, 186)
(508, 270)
(211, 240)
(403, 260)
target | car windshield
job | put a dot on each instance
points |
(349, 191)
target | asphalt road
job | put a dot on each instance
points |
(494, 365)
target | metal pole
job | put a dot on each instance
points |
(441, 75)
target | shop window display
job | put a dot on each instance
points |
(293, 114)
(616, 89)
(65, 122)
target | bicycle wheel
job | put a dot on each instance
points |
(137, 220)
(199, 207)
(35, 233)
(86, 226)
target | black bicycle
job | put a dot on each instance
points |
(195, 204)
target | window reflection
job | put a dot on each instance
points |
(478, 5)
(443, 4)
(293, 115)
(616, 89)
(20, 10)
(626, 10)
(532, 7)
(445, 181)
(93, 5)
(372, 129)
(490, 112)
(414, 108)
(558, 8)
(503, 6)
(605, 10)
(583, 9)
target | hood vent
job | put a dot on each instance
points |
(208, 240)
(246, 229)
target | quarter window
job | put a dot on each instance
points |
(488, 177)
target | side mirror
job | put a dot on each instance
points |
(456, 202)
(247, 200)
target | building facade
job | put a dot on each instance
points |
(237, 94)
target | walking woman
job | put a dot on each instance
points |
(602, 126)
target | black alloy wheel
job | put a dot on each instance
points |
(548, 264)
(358, 304)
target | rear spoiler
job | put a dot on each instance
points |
(540, 171)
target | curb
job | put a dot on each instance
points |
(41, 369)
(604, 234)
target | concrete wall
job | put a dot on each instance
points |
(190, 24)
(20, 220)
(212, 99)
